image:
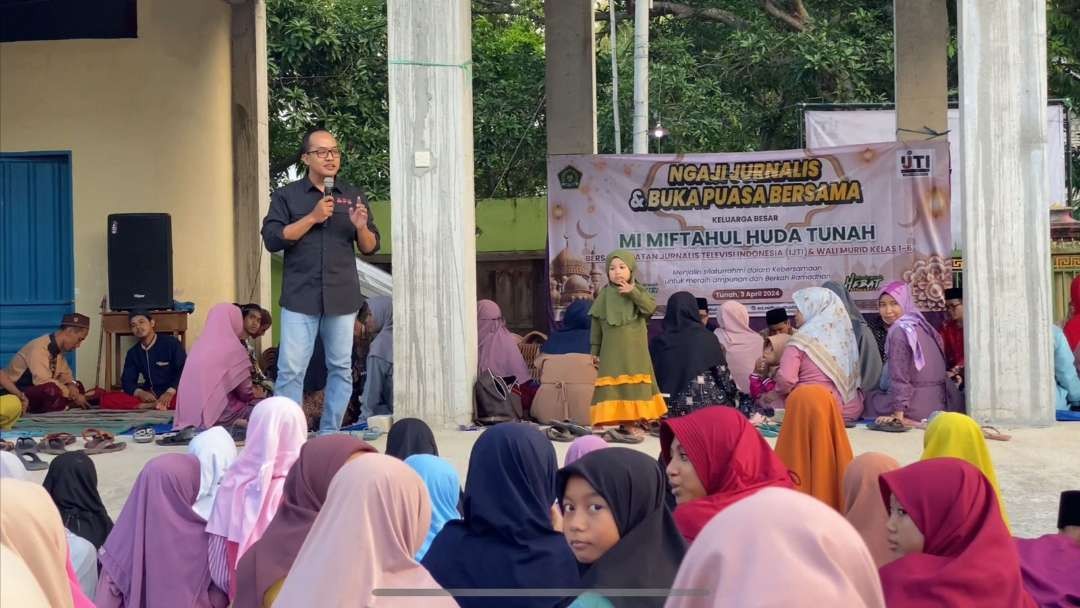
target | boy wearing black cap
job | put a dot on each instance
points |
(779, 323)
(40, 371)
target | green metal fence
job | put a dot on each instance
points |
(1065, 266)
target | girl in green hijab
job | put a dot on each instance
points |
(626, 390)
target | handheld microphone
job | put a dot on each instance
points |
(328, 186)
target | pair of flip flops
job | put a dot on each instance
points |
(621, 435)
(565, 430)
(181, 437)
(893, 425)
(101, 442)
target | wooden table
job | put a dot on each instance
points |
(116, 325)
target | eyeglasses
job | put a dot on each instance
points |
(324, 153)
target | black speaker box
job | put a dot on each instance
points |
(140, 261)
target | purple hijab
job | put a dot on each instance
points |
(269, 559)
(1049, 565)
(498, 349)
(582, 446)
(158, 549)
(910, 321)
(218, 363)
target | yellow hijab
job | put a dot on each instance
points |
(954, 435)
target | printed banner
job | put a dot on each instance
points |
(755, 227)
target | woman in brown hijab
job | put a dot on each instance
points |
(863, 506)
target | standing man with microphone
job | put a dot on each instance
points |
(316, 222)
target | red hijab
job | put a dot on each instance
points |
(1072, 326)
(729, 456)
(969, 558)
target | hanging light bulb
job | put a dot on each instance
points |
(659, 132)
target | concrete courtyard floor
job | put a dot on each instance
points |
(1032, 469)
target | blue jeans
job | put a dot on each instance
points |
(298, 333)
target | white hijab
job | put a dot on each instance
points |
(12, 467)
(216, 451)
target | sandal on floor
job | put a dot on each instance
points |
(560, 435)
(6, 446)
(25, 444)
(892, 426)
(992, 433)
(100, 442)
(573, 428)
(372, 434)
(144, 434)
(621, 436)
(31, 461)
(181, 437)
(652, 427)
(55, 443)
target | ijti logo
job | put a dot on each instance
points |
(915, 163)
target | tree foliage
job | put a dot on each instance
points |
(725, 75)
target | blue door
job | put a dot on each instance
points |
(37, 266)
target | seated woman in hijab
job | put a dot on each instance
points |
(444, 488)
(813, 443)
(914, 381)
(498, 348)
(216, 451)
(30, 527)
(215, 386)
(260, 573)
(689, 362)
(410, 436)
(379, 386)
(955, 435)
(157, 553)
(870, 363)
(742, 345)
(862, 502)
(364, 540)
(573, 333)
(250, 493)
(823, 351)
(1050, 563)
(954, 546)
(614, 512)
(714, 458)
(813, 556)
(506, 530)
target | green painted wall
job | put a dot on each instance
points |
(502, 225)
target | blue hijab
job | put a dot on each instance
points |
(574, 335)
(505, 539)
(444, 488)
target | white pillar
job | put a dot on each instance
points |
(431, 190)
(1008, 351)
(641, 76)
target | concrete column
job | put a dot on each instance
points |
(251, 149)
(921, 37)
(431, 189)
(1010, 373)
(570, 76)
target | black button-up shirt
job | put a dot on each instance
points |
(320, 269)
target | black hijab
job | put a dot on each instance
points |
(72, 483)
(650, 547)
(686, 348)
(505, 539)
(410, 436)
(573, 335)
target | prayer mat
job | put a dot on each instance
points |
(75, 421)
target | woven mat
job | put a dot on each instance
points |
(74, 421)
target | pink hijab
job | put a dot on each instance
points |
(498, 349)
(819, 558)
(742, 345)
(365, 538)
(911, 320)
(217, 364)
(252, 487)
(582, 446)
